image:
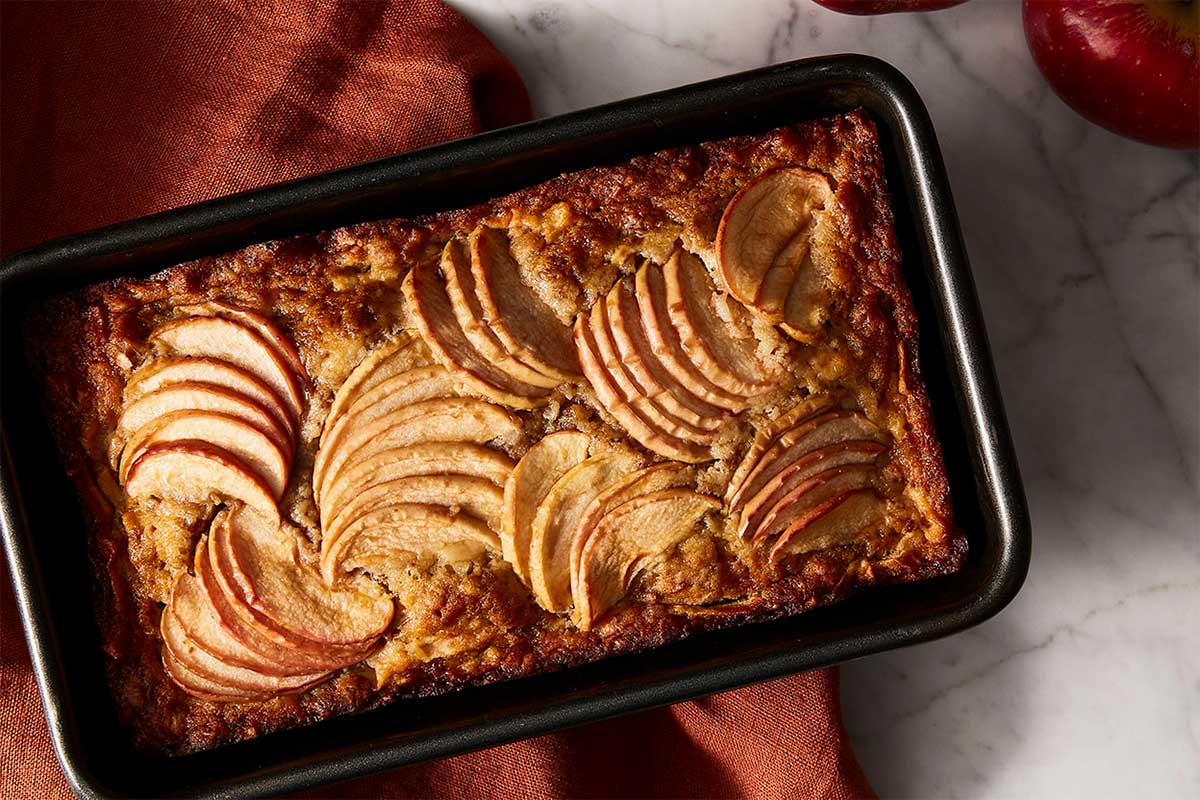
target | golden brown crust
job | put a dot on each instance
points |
(338, 295)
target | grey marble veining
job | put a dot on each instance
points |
(1086, 250)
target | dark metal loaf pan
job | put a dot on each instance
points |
(42, 523)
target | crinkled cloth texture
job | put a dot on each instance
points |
(112, 111)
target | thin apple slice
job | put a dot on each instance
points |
(460, 419)
(524, 324)
(474, 496)
(191, 618)
(839, 520)
(657, 382)
(654, 478)
(161, 372)
(239, 680)
(557, 518)
(610, 397)
(765, 501)
(227, 340)
(387, 535)
(527, 486)
(464, 298)
(428, 458)
(202, 687)
(425, 291)
(626, 540)
(268, 329)
(811, 493)
(811, 434)
(664, 339)
(239, 619)
(764, 244)
(724, 350)
(234, 435)
(394, 357)
(290, 596)
(195, 396)
(404, 389)
(621, 377)
(806, 407)
(192, 471)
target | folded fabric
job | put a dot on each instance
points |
(115, 110)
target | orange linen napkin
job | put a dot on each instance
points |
(111, 111)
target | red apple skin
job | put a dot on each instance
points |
(1132, 67)
(867, 7)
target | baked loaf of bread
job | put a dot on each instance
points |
(617, 408)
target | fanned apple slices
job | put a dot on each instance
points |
(808, 479)
(404, 470)
(255, 621)
(765, 247)
(559, 499)
(216, 414)
(487, 326)
(670, 358)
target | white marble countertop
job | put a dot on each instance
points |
(1086, 249)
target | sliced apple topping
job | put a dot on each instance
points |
(465, 299)
(237, 344)
(525, 325)
(764, 246)
(651, 293)
(642, 425)
(838, 520)
(264, 327)
(526, 489)
(389, 535)
(806, 407)
(192, 471)
(399, 355)
(426, 293)
(556, 520)
(626, 540)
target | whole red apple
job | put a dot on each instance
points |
(1132, 66)
(885, 6)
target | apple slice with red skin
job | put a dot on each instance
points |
(427, 458)
(425, 291)
(805, 408)
(461, 419)
(839, 520)
(651, 292)
(236, 617)
(193, 471)
(415, 386)
(291, 597)
(168, 370)
(230, 597)
(526, 489)
(394, 357)
(764, 502)
(525, 325)
(556, 520)
(723, 350)
(227, 340)
(269, 330)
(764, 244)
(807, 494)
(389, 533)
(191, 618)
(234, 435)
(654, 478)
(633, 393)
(474, 496)
(610, 397)
(811, 434)
(201, 687)
(194, 396)
(464, 299)
(626, 539)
